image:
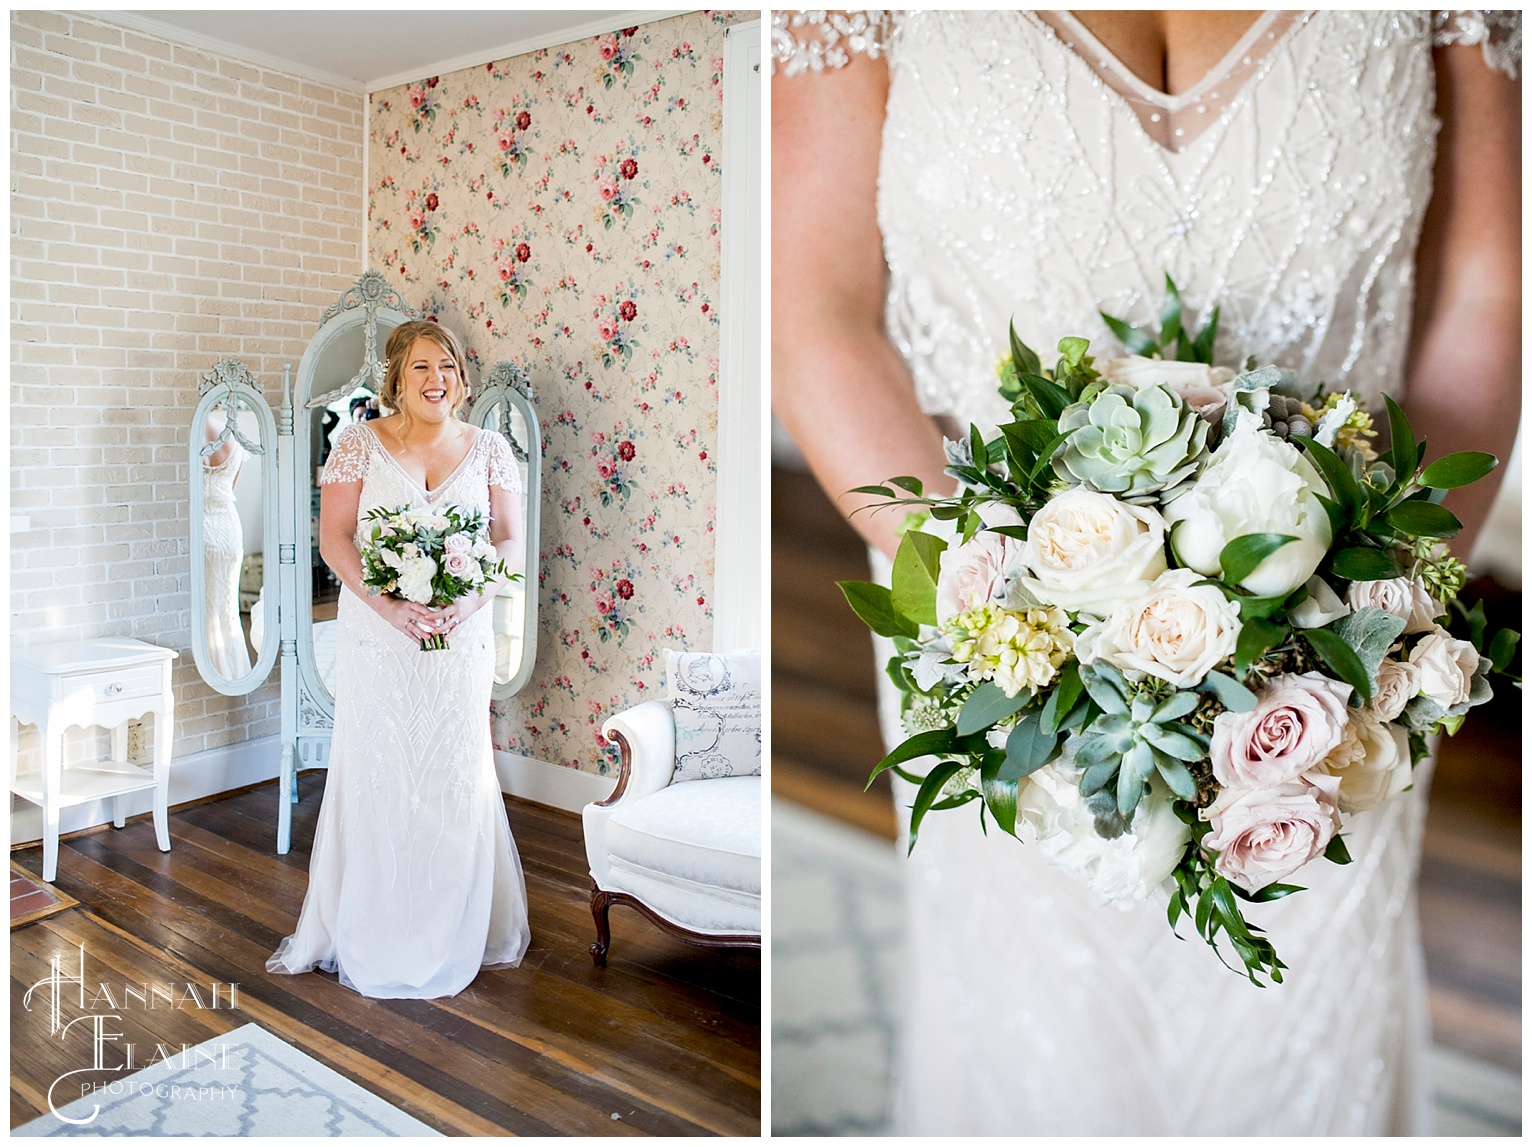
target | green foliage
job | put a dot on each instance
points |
(916, 565)
(1137, 735)
(1175, 340)
(1240, 557)
(874, 604)
(1456, 470)
(1212, 903)
(1368, 633)
(988, 705)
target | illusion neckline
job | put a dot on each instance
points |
(1175, 122)
(420, 485)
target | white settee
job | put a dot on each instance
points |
(686, 855)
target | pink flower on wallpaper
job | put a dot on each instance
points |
(417, 220)
(626, 451)
(624, 589)
(628, 168)
(523, 121)
(523, 252)
(506, 138)
(506, 268)
(627, 311)
(606, 467)
(417, 97)
(607, 47)
(604, 603)
(607, 189)
(431, 201)
(608, 329)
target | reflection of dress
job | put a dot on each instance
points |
(414, 881)
(223, 553)
(1023, 173)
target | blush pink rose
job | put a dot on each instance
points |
(456, 562)
(607, 46)
(607, 189)
(506, 139)
(1264, 834)
(458, 543)
(1297, 720)
(975, 573)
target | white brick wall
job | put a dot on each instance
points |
(171, 207)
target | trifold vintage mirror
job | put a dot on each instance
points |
(337, 382)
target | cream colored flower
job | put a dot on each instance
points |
(1372, 762)
(1446, 666)
(1398, 685)
(1017, 649)
(1401, 597)
(1090, 552)
(1203, 388)
(1176, 631)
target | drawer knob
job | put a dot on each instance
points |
(114, 687)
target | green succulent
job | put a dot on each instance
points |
(1131, 443)
(1136, 734)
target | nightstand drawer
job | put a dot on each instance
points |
(119, 684)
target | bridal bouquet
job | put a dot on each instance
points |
(430, 556)
(1179, 623)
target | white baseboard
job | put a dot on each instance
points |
(553, 785)
(234, 766)
(192, 777)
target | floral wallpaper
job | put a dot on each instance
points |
(560, 209)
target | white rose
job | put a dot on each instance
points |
(1090, 552)
(1051, 814)
(1398, 685)
(415, 579)
(1372, 763)
(1320, 608)
(1446, 667)
(1255, 483)
(1177, 631)
(1402, 597)
(974, 573)
(1204, 388)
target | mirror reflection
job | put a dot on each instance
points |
(510, 604)
(232, 532)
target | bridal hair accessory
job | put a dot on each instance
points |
(1179, 623)
(431, 557)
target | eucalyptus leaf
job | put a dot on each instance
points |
(986, 705)
(1028, 749)
(874, 604)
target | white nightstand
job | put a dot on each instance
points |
(108, 682)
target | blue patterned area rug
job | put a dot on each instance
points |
(836, 926)
(246, 1082)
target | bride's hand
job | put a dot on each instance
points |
(449, 617)
(412, 620)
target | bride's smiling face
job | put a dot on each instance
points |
(429, 386)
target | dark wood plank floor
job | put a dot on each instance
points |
(825, 740)
(666, 1037)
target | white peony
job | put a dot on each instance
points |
(1176, 631)
(1255, 484)
(975, 573)
(1051, 815)
(415, 579)
(1402, 597)
(1398, 685)
(1446, 667)
(1089, 552)
(1203, 388)
(1372, 762)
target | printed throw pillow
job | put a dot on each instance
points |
(716, 698)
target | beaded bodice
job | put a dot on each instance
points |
(1026, 175)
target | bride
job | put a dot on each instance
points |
(1328, 179)
(414, 881)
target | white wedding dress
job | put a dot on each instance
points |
(1026, 174)
(223, 555)
(414, 880)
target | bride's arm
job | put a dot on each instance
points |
(1465, 371)
(837, 384)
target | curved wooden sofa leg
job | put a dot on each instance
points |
(600, 907)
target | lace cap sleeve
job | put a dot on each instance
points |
(814, 41)
(1498, 34)
(348, 455)
(501, 463)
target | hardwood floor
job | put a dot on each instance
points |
(663, 1041)
(825, 741)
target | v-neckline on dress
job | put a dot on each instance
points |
(1176, 122)
(430, 494)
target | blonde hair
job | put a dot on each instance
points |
(401, 339)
